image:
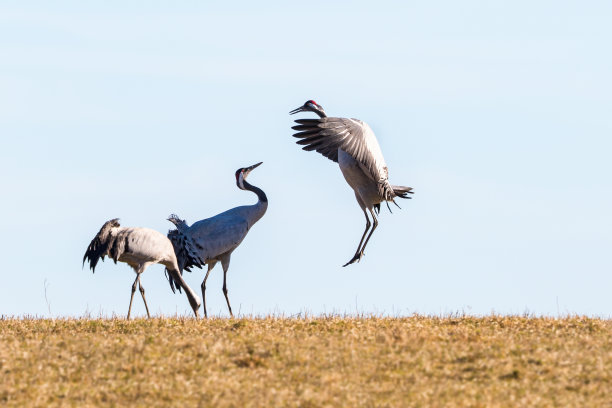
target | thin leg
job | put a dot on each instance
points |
(359, 252)
(211, 265)
(142, 292)
(373, 228)
(132, 297)
(225, 264)
(364, 232)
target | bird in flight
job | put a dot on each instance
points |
(352, 144)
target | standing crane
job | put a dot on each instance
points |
(139, 248)
(214, 239)
(352, 144)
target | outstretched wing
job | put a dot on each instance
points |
(327, 135)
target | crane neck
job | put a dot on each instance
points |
(260, 194)
(257, 210)
(320, 113)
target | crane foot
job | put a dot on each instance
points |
(356, 258)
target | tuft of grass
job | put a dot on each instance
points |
(328, 361)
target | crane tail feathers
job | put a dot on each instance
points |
(174, 283)
(402, 192)
(178, 222)
(390, 192)
(186, 255)
(102, 245)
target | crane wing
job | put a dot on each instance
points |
(206, 239)
(327, 135)
(219, 234)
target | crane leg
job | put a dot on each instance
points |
(371, 231)
(142, 292)
(359, 252)
(225, 264)
(132, 297)
(210, 266)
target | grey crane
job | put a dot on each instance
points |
(352, 144)
(214, 239)
(139, 248)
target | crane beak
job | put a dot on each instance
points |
(247, 170)
(254, 166)
(296, 110)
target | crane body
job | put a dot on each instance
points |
(352, 144)
(139, 248)
(214, 239)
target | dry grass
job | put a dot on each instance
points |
(318, 362)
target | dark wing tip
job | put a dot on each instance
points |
(311, 122)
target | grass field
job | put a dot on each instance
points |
(310, 362)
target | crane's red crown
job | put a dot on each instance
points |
(313, 102)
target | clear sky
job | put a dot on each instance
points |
(498, 113)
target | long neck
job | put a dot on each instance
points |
(260, 194)
(320, 113)
(259, 209)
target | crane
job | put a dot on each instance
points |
(139, 248)
(352, 144)
(214, 239)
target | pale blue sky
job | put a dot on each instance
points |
(497, 113)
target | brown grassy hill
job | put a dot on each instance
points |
(313, 362)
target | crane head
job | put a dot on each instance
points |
(310, 106)
(241, 174)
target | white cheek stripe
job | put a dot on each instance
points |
(240, 181)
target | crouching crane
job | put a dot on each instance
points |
(352, 144)
(139, 248)
(214, 239)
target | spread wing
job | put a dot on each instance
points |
(327, 135)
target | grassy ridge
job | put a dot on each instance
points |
(333, 361)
